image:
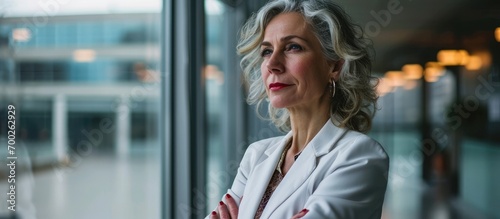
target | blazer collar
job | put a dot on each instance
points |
(259, 180)
(322, 143)
(279, 146)
(305, 164)
(326, 138)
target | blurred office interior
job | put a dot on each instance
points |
(135, 109)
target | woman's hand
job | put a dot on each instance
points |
(226, 211)
(300, 214)
(229, 210)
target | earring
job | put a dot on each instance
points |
(332, 87)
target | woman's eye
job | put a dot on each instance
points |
(294, 47)
(265, 52)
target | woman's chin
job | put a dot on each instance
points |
(278, 104)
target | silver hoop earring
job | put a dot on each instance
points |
(332, 86)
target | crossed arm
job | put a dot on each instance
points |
(229, 210)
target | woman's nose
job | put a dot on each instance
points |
(275, 63)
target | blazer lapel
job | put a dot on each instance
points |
(259, 180)
(304, 166)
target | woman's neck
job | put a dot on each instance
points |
(305, 125)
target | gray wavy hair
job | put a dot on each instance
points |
(354, 103)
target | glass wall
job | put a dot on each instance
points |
(215, 99)
(85, 87)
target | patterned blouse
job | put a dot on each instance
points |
(274, 182)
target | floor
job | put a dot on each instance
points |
(98, 186)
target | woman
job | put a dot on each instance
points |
(311, 63)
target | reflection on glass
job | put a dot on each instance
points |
(86, 90)
(217, 181)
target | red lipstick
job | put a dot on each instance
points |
(277, 86)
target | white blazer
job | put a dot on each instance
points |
(341, 174)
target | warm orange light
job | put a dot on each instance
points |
(84, 55)
(412, 71)
(485, 57)
(434, 69)
(410, 84)
(497, 34)
(475, 63)
(384, 86)
(447, 57)
(463, 57)
(396, 78)
(21, 34)
(453, 57)
(431, 78)
(212, 72)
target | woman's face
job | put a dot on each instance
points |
(294, 69)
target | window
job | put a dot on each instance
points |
(85, 84)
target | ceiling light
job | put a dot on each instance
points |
(84, 55)
(475, 63)
(497, 34)
(453, 57)
(412, 71)
(434, 69)
(21, 34)
(395, 78)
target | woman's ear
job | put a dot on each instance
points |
(336, 68)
